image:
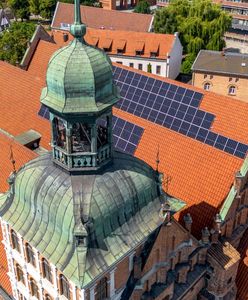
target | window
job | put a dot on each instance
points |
(15, 241)
(46, 270)
(34, 288)
(120, 51)
(101, 289)
(140, 66)
(158, 70)
(153, 54)
(139, 52)
(64, 287)
(19, 274)
(206, 86)
(48, 297)
(81, 137)
(30, 255)
(119, 62)
(131, 65)
(232, 90)
(59, 133)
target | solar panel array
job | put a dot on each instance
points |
(171, 106)
(126, 135)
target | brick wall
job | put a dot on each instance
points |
(220, 84)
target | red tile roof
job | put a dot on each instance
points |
(202, 181)
(242, 276)
(101, 18)
(128, 41)
(21, 155)
(4, 278)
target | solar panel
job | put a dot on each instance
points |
(126, 135)
(173, 107)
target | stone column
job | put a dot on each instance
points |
(55, 282)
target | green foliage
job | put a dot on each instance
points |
(13, 42)
(47, 8)
(143, 7)
(83, 2)
(34, 6)
(200, 24)
(149, 68)
(20, 8)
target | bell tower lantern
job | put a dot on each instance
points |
(80, 94)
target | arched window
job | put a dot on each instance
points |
(59, 133)
(64, 287)
(232, 90)
(34, 288)
(46, 270)
(207, 86)
(30, 255)
(48, 297)
(15, 241)
(101, 289)
(19, 274)
(81, 137)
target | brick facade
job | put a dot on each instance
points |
(220, 84)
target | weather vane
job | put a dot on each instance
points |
(12, 159)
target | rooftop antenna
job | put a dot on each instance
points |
(11, 157)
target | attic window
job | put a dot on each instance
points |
(154, 50)
(139, 47)
(106, 44)
(120, 46)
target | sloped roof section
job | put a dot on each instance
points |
(226, 63)
(121, 202)
(100, 18)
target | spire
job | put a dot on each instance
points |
(78, 29)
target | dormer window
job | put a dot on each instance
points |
(154, 50)
(120, 46)
(106, 44)
(139, 48)
(153, 54)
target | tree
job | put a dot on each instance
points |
(20, 8)
(143, 7)
(84, 2)
(201, 24)
(13, 42)
(47, 8)
(34, 7)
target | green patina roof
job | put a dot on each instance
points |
(232, 193)
(79, 80)
(46, 206)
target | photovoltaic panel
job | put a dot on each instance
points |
(126, 135)
(171, 106)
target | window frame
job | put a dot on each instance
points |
(64, 287)
(205, 84)
(19, 274)
(46, 270)
(101, 289)
(15, 241)
(232, 90)
(34, 290)
(30, 255)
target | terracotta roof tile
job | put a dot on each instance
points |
(4, 278)
(132, 41)
(21, 155)
(203, 181)
(101, 18)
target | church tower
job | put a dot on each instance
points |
(79, 95)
